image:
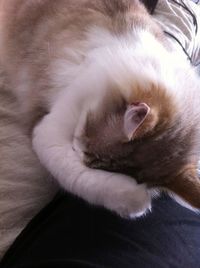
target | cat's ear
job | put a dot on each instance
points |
(186, 187)
(135, 115)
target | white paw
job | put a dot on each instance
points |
(131, 203)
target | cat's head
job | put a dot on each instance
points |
(151, 137)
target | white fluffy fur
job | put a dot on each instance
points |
(53, 141)
(54, 137)
(83, 84)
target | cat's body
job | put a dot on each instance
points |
(25, 186)
(97, 85)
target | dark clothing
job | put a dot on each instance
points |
(150, 4)
(72, 233)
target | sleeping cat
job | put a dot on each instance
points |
(112, 112)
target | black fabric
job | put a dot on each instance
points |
(150, 4)
(72, 233)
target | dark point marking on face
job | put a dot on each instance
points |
(156, 154)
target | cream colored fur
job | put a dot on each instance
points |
(25, 186)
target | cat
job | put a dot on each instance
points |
(111, 110)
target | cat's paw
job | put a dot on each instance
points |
(131, 203)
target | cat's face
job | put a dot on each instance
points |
(148, 139)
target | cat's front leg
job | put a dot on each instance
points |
(115, 192)
(127, 198)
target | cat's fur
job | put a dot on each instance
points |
(25, 186)
(98, 85)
